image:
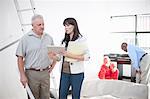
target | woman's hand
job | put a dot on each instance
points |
(73, 56)
(63, 53)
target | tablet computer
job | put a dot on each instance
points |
(55, 49)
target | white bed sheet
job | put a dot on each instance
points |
(115, 89)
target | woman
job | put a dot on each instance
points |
(108, 70)
(74, 55)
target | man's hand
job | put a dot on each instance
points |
(50, 69)
(23, 80)
(52, 55)
(138, 71)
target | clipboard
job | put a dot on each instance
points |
(76, 49)
(56, 49)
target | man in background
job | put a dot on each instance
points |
(140, 60)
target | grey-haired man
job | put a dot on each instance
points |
(33, 60)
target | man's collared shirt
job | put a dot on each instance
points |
(135, 53)
(34, 50)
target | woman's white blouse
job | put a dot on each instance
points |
(77, 47)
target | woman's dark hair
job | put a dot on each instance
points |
(76, 34)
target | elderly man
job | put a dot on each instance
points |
(33, 60)
(140, 61)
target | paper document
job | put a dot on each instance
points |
(76, 48)
(56, 49)
(29, 92)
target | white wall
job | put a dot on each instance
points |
(10, 86)
(93, 17)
